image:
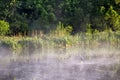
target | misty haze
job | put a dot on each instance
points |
(73, 64)
(59, 39)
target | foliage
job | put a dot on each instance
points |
(30, 45)
(4, 27)
(25, 15)
(61, 30)
(10, 44)
(107, 39)
(113, 19)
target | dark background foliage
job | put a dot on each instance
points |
(26, 15)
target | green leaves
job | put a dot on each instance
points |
(4, 27)
(37, 14)
(113, 19)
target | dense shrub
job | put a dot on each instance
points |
(4, 27)
(29, 46)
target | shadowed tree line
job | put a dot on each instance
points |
(25, 16)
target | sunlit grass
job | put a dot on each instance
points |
(88, 41)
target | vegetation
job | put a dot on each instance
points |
(39, 27)
(4, 28)
(24, 16)
(89, 40)
(38, 24)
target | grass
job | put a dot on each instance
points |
(60, 40)
(91, 45)
(107, 39)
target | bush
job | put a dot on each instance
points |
(62, 30)
(4, 27)
(10, 46)
(29, 46)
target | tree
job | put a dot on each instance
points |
(113, 19)
(24, 15)
(4, 27)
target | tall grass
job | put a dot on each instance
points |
(61, 40)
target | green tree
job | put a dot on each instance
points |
(24, 15)
(113, 19)
(4, 27)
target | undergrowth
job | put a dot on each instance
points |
(61, 40)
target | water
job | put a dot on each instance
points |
(76, 67)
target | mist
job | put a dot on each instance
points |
(74, 64)
(60, 40)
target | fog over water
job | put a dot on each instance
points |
(81, 64)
